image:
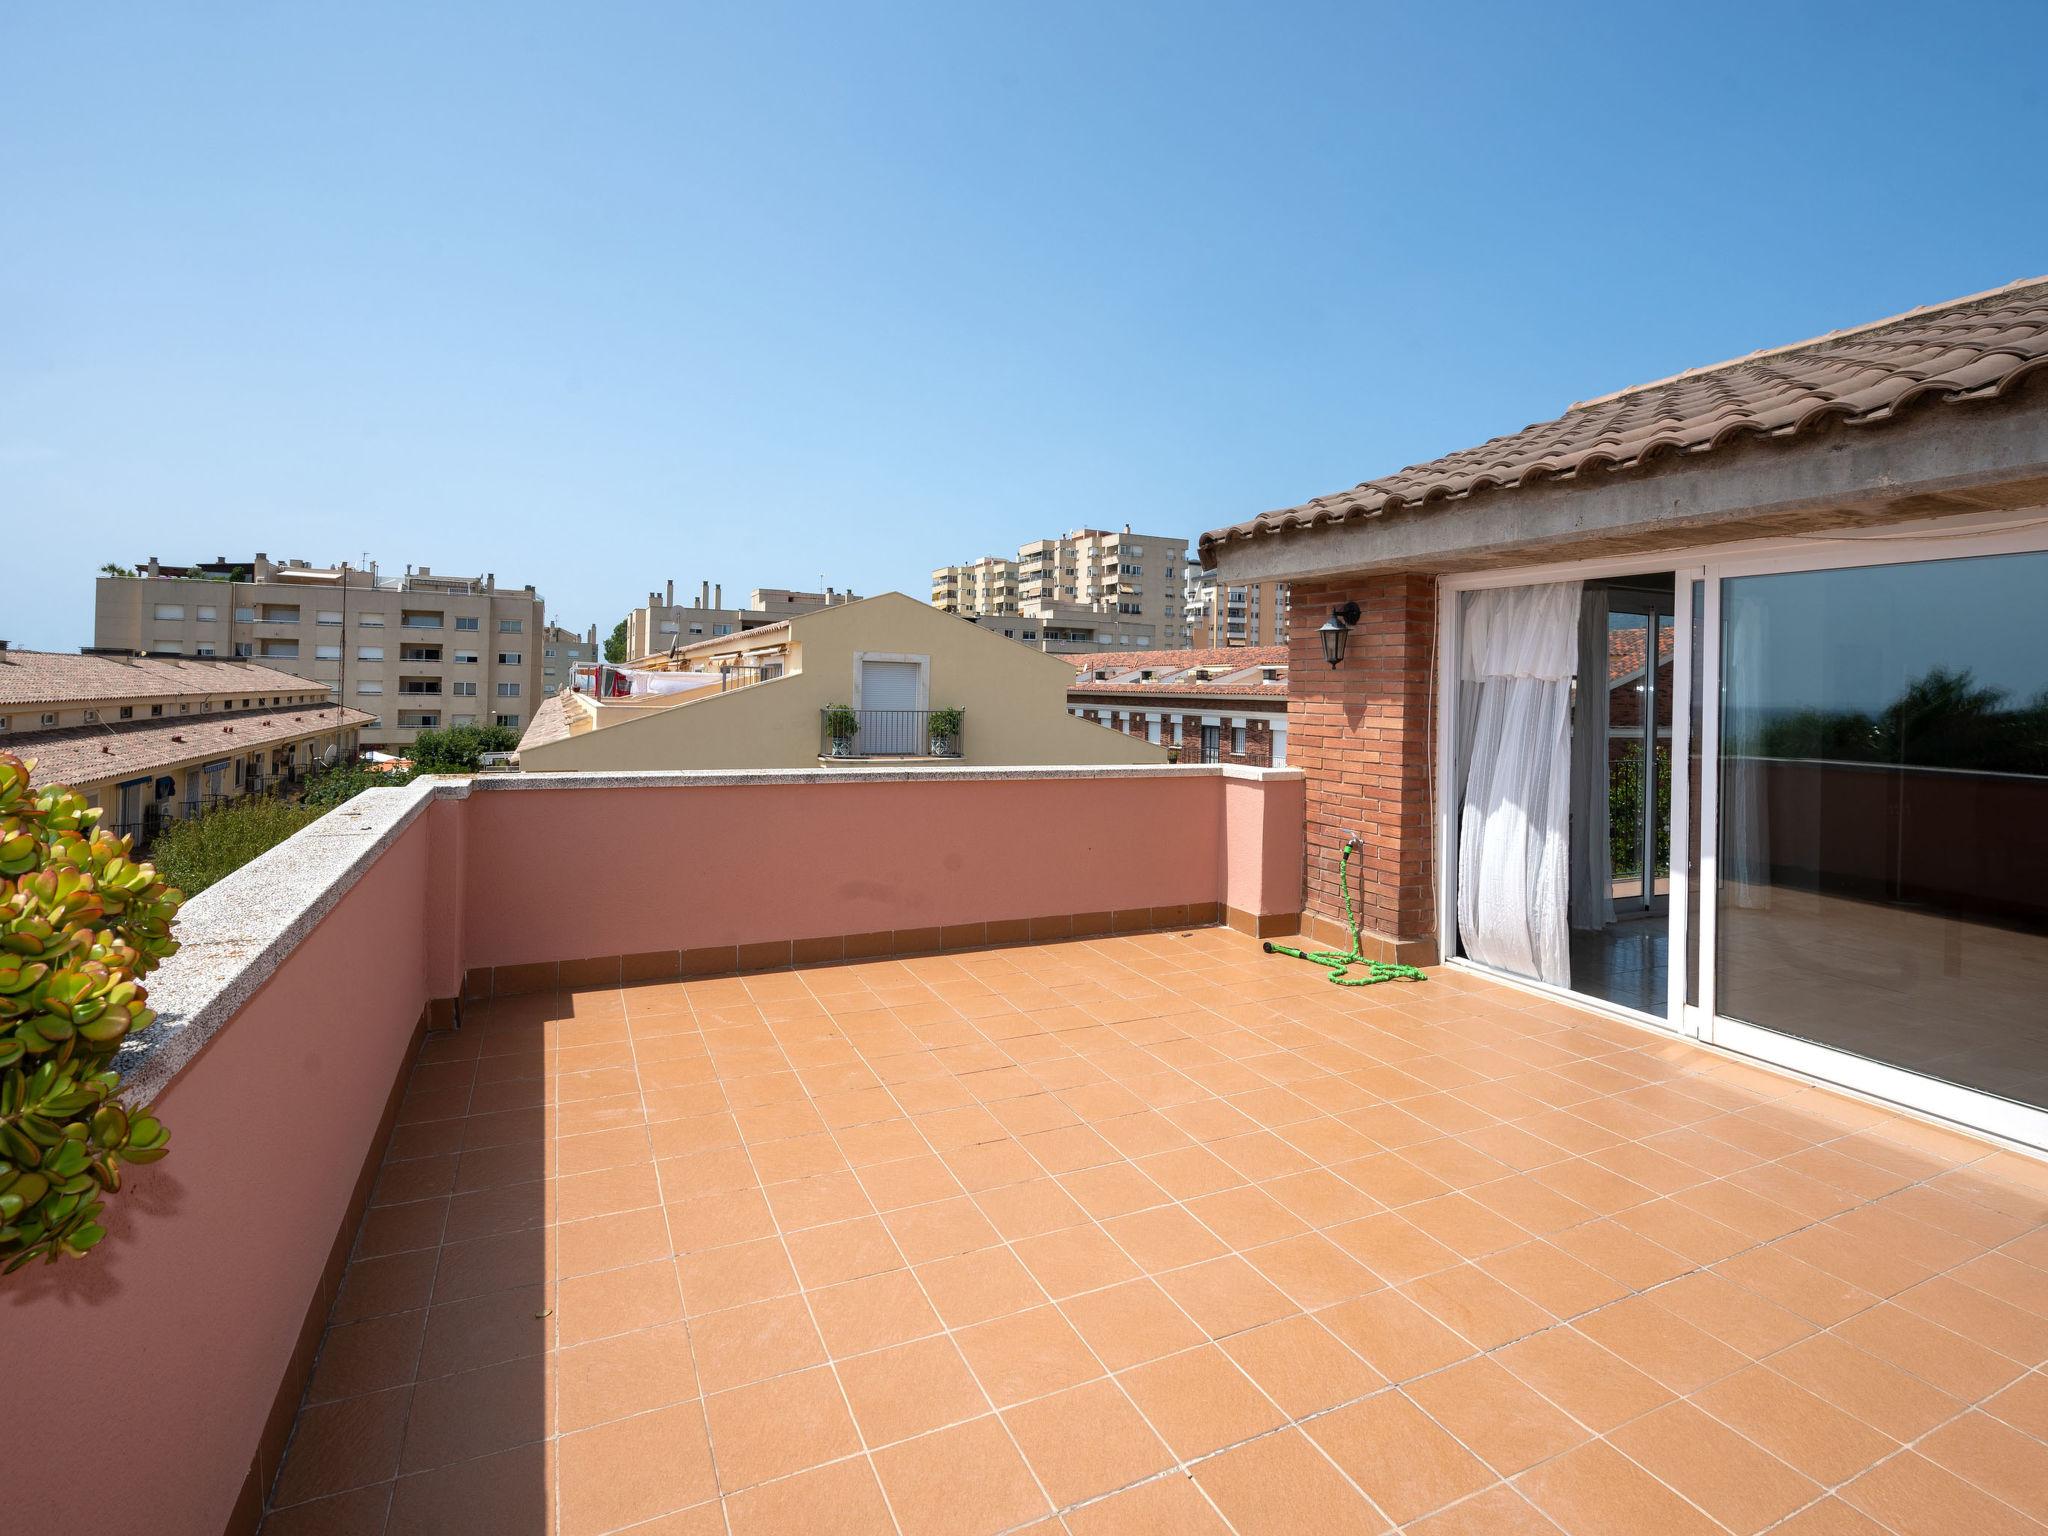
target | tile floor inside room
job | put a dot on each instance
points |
(1161, 1234)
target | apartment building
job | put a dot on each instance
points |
(562, 652)
(1086, 590)
(663, 623)
(1226, 613)
(1208, 705)
(152, 738)
(416, 652)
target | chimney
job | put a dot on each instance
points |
(718, 595)
(671, 594)
(490, 581)
(703, 594)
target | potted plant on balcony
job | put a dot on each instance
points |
(841, 725)
(80, 924)
(944, 728)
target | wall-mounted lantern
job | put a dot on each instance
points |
(1336, 632)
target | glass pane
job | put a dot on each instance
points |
(1883, 879)
(1628, 636)
(1695, 718)
(1660, 805)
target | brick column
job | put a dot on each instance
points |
(1362, 734)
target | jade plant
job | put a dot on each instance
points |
(81, 922)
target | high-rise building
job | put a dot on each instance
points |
(417, 652)
(562, 652)
(1239, 613)
(663, 623)
(1084, 591)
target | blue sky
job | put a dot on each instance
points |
(595, 295)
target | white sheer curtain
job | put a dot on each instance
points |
(1515, 669)
(1592, 853)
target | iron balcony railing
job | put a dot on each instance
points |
(846, 732)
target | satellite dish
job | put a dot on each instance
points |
(331, 755)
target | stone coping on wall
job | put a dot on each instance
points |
(233, 936)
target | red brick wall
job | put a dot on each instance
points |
(1361, 733)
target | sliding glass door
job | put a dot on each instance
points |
(1880, 887)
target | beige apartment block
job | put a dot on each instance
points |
(152, 738)
(891, 659)
(562, 652)
(663, 623)
(1085, 591)
(1227, 613)
(416, 652)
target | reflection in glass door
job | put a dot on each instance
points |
(1881, 882)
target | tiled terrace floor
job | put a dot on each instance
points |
(1162, 1234)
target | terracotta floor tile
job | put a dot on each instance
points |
(939, 1230)
(2024, 1405)
(1073, 1260)
(506, 1493)
(1026, 1355)
(1131, 1323)
(842, 1499)
(1599, 1389)
(343, 1445)
(376, 1287)
(496, 1263)
(1661, 1344)
(1246, 1216)
(369, 1356)
(1086, 1442)
(1392, 1247)
(1552, 1278)
(991, 1165)
(777, 1427)
(731, 1277)
(1746, 1322)
(906, 1181)
(1029, 1209)
(1189, 1172)
(813, 1202)
(1946, 1360)
(1864, 1386)
(1806, 1432)
(1743, 1487)
(1200, 1401)
(1166, 1506)
(1911, 1495)
(633, 1470)
(750, 1343)
(478, 1413)
(624, 1375)
(1477, 1307)
(1164, 1238)
(504, 1325)
(1112, 1189)
(359, 1512)
(606, 1192)
(1226, 1296)
(1499, 1511)
(719, 1220)
(798, 1157)
(401, 1228)
(617, 1301)
(1612, 1249)
(873, 1312)
(845, 1251)
(1405, 1463)
(964, 1481)
(1495, 1415)
(976, 1287)
(1798, 1287)
(910, 1389)
(1302, 1366)
(1996, 1457)
(1982, 1318)
(1595, 1491)
(1280, 1485)
(1395, 1336)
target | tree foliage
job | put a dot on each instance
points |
(459, 748)
(615, 644)
(197, 851)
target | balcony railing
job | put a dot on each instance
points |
(886, 733)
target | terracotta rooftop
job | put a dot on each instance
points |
(60, 677)
(550, 722)
(86, 754)
(1972, 348)
(1235, 657)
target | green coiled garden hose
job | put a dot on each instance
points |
(1339, 964)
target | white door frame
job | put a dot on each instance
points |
(1940, 539)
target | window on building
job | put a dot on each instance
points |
(465, 658)
(127, 711)
(371, 620)
(548, 653)
(164, 648)
(463, 690)
(511, 659)
(203, 648)
(244, 650)
(207, 613)
(511, 722)
(327, 653)
(508, 690)
(49, 720)
(511, 626)
(156, 712)
(669, 628)
(328, 616)
(1237, 740)
(170, 610)
(369, 653)
(245, 615)
(3, 722)
(467, 621)
(462, 719)
(369, 687)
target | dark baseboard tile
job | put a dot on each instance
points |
(1325, 933)
(1270, 925)
(782, 954)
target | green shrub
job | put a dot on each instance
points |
(459, 748)
(202, 850)
(80, 923)
(840, 721)
(330, 787)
